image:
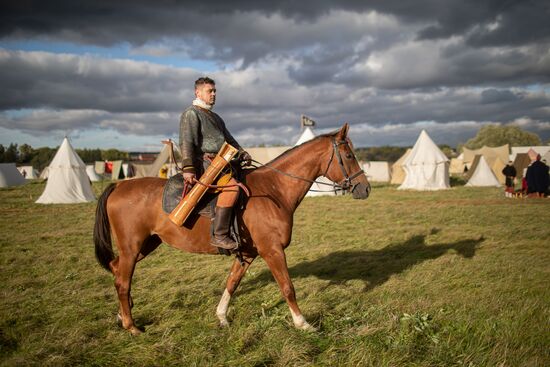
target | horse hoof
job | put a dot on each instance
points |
(134, 331)
(223, 324)
(308, 327)
(119, 320)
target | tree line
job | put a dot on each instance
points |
(40, 158)
(489, 135)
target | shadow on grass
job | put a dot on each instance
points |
(374, 267)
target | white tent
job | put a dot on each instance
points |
(377, 171)
(541, 149)
(67, 178)
(266, 154)
(10, 176)
(483, 175)
(316, 189)
(28, 172)
(306, 135)
(44, 173)
(92, 175)
(426, 167)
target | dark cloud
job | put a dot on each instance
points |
(379, 64)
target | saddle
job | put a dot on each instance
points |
(172, 195)
(173, 192)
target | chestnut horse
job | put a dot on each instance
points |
(132, 211)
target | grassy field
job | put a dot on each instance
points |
(452, 278)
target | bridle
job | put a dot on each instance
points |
(345, 184)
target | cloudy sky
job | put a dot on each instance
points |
(117, 74)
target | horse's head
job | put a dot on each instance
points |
(343, 167)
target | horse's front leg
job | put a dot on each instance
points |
(235, 276)
(276, 261)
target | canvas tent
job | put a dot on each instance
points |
(426, 167)
(497, 166)
(92, 175)
(164, 162)
(540, 149)
(10, 176)
(490, 154)
(28, 172)
(521, 162)
(456, 166)
(377, 171)
(140, 169)
(116, 170)
(67, 178)
(266, 154)
(397, 171)
(44, 173)
(482, 174)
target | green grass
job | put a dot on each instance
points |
(449, 278)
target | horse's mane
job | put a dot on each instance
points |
(291, 150)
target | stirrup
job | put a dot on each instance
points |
(225, 243)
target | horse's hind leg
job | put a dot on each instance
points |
(276, 261)
(235, 276)
(123, 279)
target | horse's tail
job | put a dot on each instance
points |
(102, 230)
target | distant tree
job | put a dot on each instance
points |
(496, 135)
(26, 153)
(113, 155)
(10, 154)
(448, 151)
(42, 157)
(2, 151)
(89, 155)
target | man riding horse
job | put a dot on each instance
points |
(202, 134)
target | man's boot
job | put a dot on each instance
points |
(221, 237)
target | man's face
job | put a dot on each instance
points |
(206, 93)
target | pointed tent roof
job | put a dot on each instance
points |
(483, 175)
(425, 151)
(10, 176)
(490, 153)
(307, 135)
(67, 178)
(163, 158)
(426, 167)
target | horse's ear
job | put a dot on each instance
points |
(343, 133)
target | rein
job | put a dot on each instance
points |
(345, 184)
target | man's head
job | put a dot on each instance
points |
(205, 90)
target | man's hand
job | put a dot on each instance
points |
(246, 158)
(189, 178)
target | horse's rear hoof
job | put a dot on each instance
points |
(134, 331)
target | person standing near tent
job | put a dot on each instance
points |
(202, 134)
(537, 178)
(510, 174)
